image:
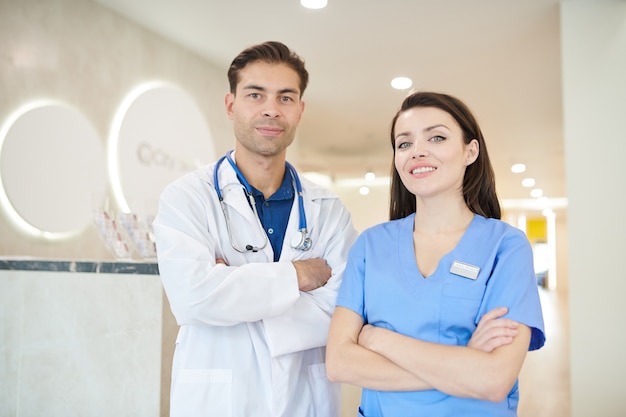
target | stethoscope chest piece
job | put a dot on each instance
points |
(301, 241)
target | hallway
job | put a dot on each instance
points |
(545, 377)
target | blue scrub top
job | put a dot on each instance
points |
(383, 284)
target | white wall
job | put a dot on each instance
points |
(594, 88)
(88, 57)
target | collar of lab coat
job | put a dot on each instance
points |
(236, 199)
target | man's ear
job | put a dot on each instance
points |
(229, 101)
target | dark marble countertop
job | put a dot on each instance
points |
(96, 267)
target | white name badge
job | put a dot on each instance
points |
(464, 270)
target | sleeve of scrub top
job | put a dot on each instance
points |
(351, 292)
(305, 325)
(513, 285)
(199, 291)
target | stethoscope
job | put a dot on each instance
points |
(300, 239)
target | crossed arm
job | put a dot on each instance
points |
(380, 359)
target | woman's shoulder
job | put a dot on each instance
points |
(497, 229)
(390, 226)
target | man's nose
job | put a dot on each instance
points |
(271, 110)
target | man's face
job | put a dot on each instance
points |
(266, 108)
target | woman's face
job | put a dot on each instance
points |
(430, 154)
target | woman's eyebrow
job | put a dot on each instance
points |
(429, 128)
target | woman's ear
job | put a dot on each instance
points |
(471, 152)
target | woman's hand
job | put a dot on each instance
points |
(493, 331)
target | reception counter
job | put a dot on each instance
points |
(83, 338)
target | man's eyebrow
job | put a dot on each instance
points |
(254, 87)
(260, 88)
(289, 91)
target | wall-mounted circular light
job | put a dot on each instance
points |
(158, 134)
(52, 170)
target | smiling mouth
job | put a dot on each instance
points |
(421, 170)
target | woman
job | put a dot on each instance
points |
(415, 288)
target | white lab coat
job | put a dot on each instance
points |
(250, 343)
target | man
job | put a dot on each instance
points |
(251, 258)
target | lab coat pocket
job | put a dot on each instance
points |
(202, 389)
(326, 394)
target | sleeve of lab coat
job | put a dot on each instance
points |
(305, 324)
(199, 291)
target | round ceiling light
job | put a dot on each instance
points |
(314, 4)
(518, 168)
(401, 83)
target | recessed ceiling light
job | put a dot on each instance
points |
(401, 83)
(314, 4)
(364, 190)
(536, 192)
(370, 176)
(518, 168)
(528, 182)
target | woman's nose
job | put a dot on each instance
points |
(419, 151)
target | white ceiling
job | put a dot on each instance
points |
(502, 57)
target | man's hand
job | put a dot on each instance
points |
(312, 273)
(493, 331)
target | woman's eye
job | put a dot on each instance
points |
(403, 145)
(437, 139)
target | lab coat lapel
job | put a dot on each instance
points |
(244, 224)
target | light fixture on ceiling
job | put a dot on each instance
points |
(536, 192)
(518, 168)
(314, 4)
(528, 182)
(364, 190)
(370, 176)
(401, 83)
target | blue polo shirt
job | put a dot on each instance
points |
(274, 212)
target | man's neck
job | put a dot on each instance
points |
(262, 172)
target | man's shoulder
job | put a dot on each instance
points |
(316, 191)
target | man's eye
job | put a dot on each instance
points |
(254, 95)
(286, 99)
